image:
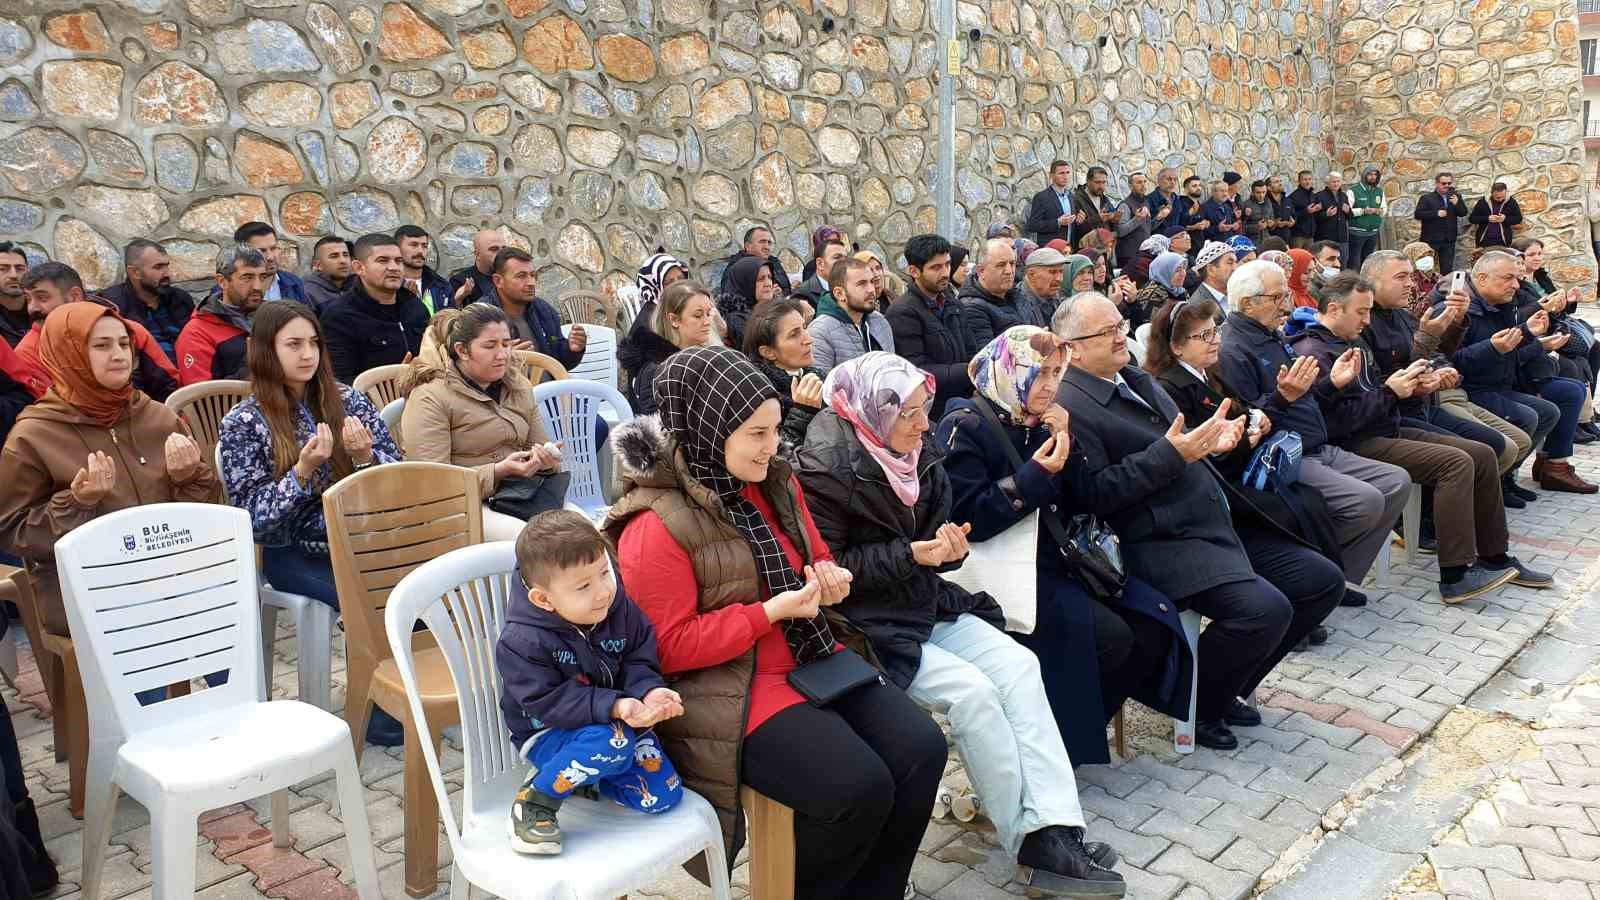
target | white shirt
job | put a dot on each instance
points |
(1195, 372)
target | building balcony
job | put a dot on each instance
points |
(1591, 134)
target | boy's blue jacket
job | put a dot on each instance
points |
(558, 675)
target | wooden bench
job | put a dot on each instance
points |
(771, 838)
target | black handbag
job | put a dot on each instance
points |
(1089, 547)
(527, 497)
(825, 680)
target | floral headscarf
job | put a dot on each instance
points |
(1164, 271)
(870, 392)
(1003, 372)
(1280, 259)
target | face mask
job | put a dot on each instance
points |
(1328, 273)
(1425, 264)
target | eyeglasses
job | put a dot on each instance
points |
(1207, 336)
(1120, 328)
(1275, 296)
(913, 413)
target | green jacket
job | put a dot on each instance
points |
(1367, 197)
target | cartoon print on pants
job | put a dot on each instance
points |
(573, 775)
(647, 754)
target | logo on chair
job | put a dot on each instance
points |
(128, 542)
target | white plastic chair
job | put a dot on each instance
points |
(569, 409)
(599, 359)
(313, 633)
(163, 593)
(1183, 731)
(390, 414)
(607, 851)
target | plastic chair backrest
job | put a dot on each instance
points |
(160, 594)
(570, 408)
(391, 414)
(381, 384)
(202, 407)
(628, 303)
(599, 356)
(586, 307)
(462, 596)
(539, 367)
(385, 521)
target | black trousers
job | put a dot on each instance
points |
(11, 757)
(861, 776)
(1257, 621)
(1446, 253)
(1130, 649)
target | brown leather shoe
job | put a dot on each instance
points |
(1559, 476)
(1539, 461)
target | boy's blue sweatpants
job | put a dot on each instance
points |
(628, 768)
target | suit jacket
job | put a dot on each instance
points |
(1336, 227)
(1172, 516)
(1437, 229)
(1044, 213)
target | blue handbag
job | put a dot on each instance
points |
(1275, 466)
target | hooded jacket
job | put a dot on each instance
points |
(45, 450)
(555, 674)
(1362, 409)
(705, 742)
(1365, 196)
(893, 600)
(321, 291)
(153, 372)
(1495, 234)
(363, 333)
(1250, 360)
(987, 315)
(451, 421)
(214, 344)
(836, 338)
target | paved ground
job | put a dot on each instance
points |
(1404, 756)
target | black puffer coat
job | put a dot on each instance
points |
(796, 417)
(893, 600)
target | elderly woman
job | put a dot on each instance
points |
(1182, 354)
(1080, 276)
(93, 444)
(1425, 276)
(716, 545)
(470, 407)
(777, 341)
(750, 284)
(1167, 273)
(1094, 652)
(878, 493)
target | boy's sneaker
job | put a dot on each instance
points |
(534, 829)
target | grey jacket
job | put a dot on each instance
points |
(835, 341)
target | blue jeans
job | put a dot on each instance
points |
(294, 571)
(1534, 415)
(628, 768)
(1358, 248)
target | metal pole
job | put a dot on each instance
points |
(944, 185)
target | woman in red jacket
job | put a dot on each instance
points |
(716, 545)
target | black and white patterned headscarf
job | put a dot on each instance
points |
(653, 273)
(705, 394)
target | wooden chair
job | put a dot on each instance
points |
(587, 308)
(202, 407)
(58, 669)
(384, 522)
(539, 367)
(1119, 732)
(771, 835)
(381, 384)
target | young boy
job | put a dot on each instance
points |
(582, 683)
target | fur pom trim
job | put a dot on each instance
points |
(639, 445)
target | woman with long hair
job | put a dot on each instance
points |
(471, 406)
(716, 545)
(299, 433)
(685, 316)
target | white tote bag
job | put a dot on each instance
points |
(1006, 567)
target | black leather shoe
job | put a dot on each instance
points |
(1055, 862)
(1353, 597)
(1214, 733)
(1523, 494)
(1243, 715)
(1318, 636)
(1511, 501)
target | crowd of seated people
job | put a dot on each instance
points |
(813, 455)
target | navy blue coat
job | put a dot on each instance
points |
(556, 675)
(1251, 357)
(991, 496)
(1482, 367)
(545, 323)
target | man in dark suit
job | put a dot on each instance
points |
(1051, 215)
(1440, 211)
(1136, 465)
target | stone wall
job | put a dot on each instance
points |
(1486, 88)
(595, 130)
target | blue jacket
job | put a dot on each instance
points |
(1218, 214)
(1482, 367)
(554, 674)
(545, 323)
(992, 496)
(1251, 357)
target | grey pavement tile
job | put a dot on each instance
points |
(1344, 867)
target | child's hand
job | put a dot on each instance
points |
(633, 712)
(664, 702)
